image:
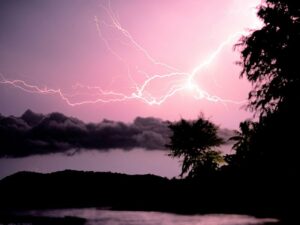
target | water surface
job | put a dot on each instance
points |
(108, 217)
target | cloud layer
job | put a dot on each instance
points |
(34, 133)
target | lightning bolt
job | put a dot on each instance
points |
(181, 81)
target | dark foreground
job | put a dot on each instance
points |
(260, 197)
(39, 220)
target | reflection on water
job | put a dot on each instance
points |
(107, 217)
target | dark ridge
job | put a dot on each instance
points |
(78, 189)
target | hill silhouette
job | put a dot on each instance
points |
(77, 189)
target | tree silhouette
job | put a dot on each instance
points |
(243, 136)
(243, 140)
(195, 142)
(270, 56)
(270, 61)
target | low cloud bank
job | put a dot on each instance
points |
(34, 133)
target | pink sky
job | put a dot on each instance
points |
(57, 44)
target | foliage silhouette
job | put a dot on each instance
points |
(195, 142)
(269, 60)
(242, 144)
(267, 152)
(269, 56)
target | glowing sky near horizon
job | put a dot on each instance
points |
(122, 59)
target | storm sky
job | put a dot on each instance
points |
(101, 53)
(118, 70)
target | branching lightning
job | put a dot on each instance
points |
(181, 80)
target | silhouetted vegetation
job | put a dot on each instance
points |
(243, 140)
(269, 56)
(270, 62)
(268, 149)
(195, 142)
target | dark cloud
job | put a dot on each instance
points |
(32, 118)
(34, 133)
